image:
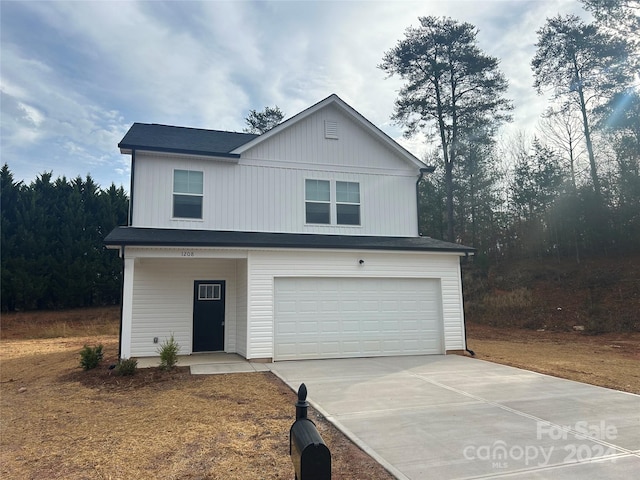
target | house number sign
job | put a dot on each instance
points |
(186, 253)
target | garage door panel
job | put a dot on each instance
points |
(389, 306)
(330, 327)
(350, 306)
(349, 317)
(329, 306)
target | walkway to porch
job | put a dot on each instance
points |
(210, 363)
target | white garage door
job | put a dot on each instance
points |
(356, 317)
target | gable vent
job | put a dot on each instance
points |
(330, 129)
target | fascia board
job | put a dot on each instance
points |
(227, 157)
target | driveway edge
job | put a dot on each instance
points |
(350, 435)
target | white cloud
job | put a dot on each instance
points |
(70, 93)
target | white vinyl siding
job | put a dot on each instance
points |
(158, 299)
(265, 190)
(266, 266)
(242, 197)
(163, 301)
(305, 142)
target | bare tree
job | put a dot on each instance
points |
(581, 63)
(562, 130)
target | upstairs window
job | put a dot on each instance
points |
(187, 194)
(347, 203)
(317, 194)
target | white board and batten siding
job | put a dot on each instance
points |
(265, 190)
(305, 142)
(270, 199)
(435, 276)
(162, 300)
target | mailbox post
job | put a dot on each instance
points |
(310, 456)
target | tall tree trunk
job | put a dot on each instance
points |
(448, 180)
(587, 137)
(587, 130)
(448, 166)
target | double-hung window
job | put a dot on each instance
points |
(187, 194)
(347, 203)
(317, 201)
(321, 207)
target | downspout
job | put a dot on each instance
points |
(121, 306)
(133, 172)
(422, 172)
(466, 347)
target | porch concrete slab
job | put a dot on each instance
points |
(209, 363)
(218, 368)
(455, 417)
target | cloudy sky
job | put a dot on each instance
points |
(74, 76)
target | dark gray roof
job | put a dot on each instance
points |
(135, 236)
(195, 141)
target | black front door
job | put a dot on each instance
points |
(208, 315)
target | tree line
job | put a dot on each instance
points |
(572, 188)
(569, 189)
(52, 234)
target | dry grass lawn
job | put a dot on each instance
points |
(60, 422)
(610, 360)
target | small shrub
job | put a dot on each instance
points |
(126, 366)
(90, 357)
(169, 353)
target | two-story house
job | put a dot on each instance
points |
(298, 243)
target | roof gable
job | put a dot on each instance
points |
(217, 143)
(195, 141)
(335, 102)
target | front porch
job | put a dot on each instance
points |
(161, 295)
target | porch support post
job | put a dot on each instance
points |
(127, 308)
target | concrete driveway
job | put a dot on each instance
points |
(453, 417)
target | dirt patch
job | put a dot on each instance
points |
(60, 422)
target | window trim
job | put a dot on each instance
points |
(174, 193)
(333, 204)
(321, 202)
(359, 205)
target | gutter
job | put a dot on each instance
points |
(430, 169)
(182, 151)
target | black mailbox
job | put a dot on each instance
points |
(310, 456)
